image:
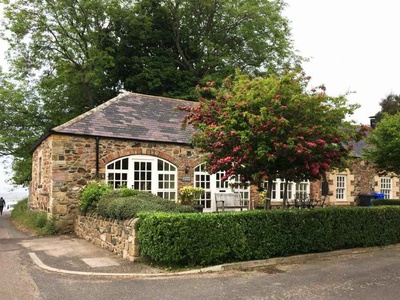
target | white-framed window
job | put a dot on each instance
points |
(302, 189)
(294, 189)
(117, 172)
(144, 173)
(340, 187)
(203, 179)
(386, 187)
(289, 190)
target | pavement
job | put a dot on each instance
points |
(69, 254)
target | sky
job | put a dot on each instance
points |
(351, 46)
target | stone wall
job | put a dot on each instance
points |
(117, 236)
(41, 188)
(361, 178)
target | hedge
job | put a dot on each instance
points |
(380, 202)
(208, 239)
(126, 204)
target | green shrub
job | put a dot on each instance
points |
(380, 202)
(91, 195)
(40, 220)
(115, 206)
(192, 239)
(125, 192)
(205, 239)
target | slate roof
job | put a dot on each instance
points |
(133, 116)
(358, 148)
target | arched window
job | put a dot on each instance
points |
(144, 173)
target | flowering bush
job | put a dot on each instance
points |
(262, 197)
(189, 194)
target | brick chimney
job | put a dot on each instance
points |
(372, 122)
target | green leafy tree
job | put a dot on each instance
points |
(59, 58)
(71, 55)
(172, 45)
(21, 123)
(62, 48)
(384, 143)
(389, 105)
(265, 128)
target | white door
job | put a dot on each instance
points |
(214, 184)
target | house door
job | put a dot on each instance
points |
(213, 183)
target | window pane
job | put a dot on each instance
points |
(125, 164)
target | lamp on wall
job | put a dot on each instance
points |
(187, 169)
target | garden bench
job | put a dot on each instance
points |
(229, 201)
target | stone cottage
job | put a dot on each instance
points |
(136, 140)
(132, 140)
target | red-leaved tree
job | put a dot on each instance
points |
(274, 127)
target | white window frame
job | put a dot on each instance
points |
(294, 189)
(386, 186)
(341, 187)
(163, 183)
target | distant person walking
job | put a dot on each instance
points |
(2, 204)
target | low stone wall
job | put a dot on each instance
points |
(117, 236)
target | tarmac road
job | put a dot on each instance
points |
(16, 282)
(67, 267)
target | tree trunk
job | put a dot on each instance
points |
(284, 201)
(267, 204)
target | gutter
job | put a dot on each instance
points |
(97, 138)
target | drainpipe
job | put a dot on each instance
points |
(97, 156)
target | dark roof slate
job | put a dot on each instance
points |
(133, 116)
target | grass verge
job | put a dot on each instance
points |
(34, 222)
